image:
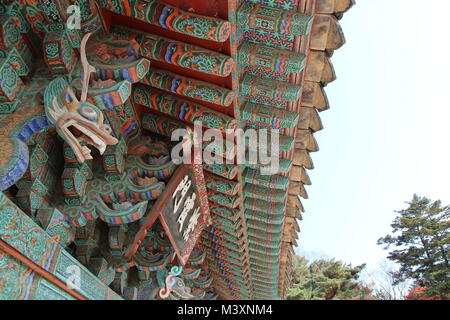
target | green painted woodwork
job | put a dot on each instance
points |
(263, 193)
(272, 24)
(24, 235)
(172, 18)
(188, 87)
(268, 92)
(263, 116)
(261, 60)
(181, 109)
(254, 177)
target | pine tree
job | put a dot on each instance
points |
(326, 280)
(421, 237)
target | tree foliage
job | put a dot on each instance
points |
(384, 284)
(421, 237)
(326, 280)
(419, 293)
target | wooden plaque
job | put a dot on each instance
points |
(182, 209)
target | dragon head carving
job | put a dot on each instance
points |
(175, 288)
(77, 122)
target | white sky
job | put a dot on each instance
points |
(386, 135)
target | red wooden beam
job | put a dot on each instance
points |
(40, 271)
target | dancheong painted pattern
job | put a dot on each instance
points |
(88, 105)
